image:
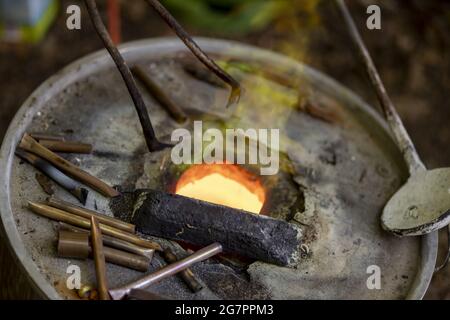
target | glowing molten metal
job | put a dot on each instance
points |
(224, 184)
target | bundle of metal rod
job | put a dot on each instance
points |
(99, 259)
(76, 245)
(163, 99)
(186, 275)
(29, 144)
(167, 271)
(59, 177)
(63, 216)
(113, 242)
(86, 213)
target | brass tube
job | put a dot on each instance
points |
(76, 245)
(66, 146)
(113, 242)
(73, 245)
(86, 213)
(186, 275)
(31, 145)
(99, 259)
(62, 216)
(45, 136)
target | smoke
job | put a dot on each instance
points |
(297, 20)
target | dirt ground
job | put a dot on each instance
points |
(412, 52)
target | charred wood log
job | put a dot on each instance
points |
(200, 223)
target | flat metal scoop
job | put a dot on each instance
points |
(422, 205)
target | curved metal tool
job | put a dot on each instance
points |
(153, 143)
(198, 52)
(422, 205)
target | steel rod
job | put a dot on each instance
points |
(402, 137)
(200, 255)
(198, 52)
(153, 143)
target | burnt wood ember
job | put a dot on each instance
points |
(199, 223)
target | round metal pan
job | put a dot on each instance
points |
(89, 98)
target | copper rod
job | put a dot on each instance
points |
(99, 259)
(152, 142)
(167, 271)
(76, 245)
(46, 136)
(86, 213)
(198, 52)
(62, 216)
(173, 109)
(73, 245)
(59, 177)
(66, 146)
(31, 145)
(187, 275)
(113, 242)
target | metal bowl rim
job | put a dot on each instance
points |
(429, 244)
